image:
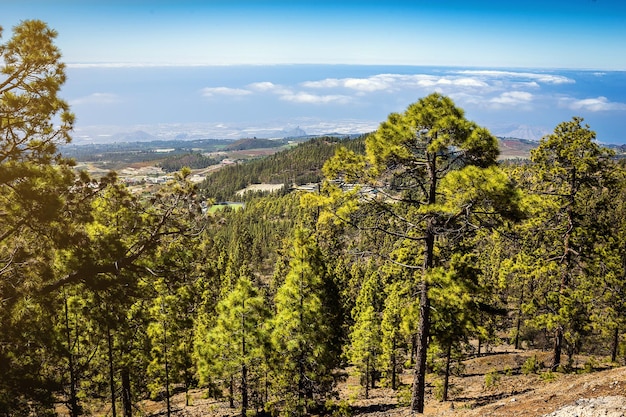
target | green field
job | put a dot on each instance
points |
(220, 206)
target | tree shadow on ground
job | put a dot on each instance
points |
(373, 408)
(488, 399)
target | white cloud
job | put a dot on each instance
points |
(303, 97)
(495, 89)
(534, 76)
(469, 82)
(432, 81)
(396, 82)
(264, 86)
(366, 84)
(525, 84)
(224, 91)
(487, 89)
(96, 98)
(512, 98)
(369, 84)
(269, 87)
(326, 83)
(593, 104)
(286, 94)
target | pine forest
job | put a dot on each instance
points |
(418, 248)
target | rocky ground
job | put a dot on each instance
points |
(491, 386)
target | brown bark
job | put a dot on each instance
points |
(419, 382)
(446, 378)
(558, 347)
(111, 371)
(423, 327)
(615, 346)
(126, 393)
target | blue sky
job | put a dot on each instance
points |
(587, 34)
(243, 68)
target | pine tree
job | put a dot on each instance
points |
(234, 349)
(365, 335)
(605, 221)
(38, 191)
(394, 339)
(568, 162)
(302, 337)
(429, 178)
(453, 292)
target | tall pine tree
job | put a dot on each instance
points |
(233, 351)
(301, 333)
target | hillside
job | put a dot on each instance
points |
(298, 165)
(254, 143)
(303, 163)
(513, 394)
(283, 167)
(513, 148)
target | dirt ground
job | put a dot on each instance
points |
(491, 385)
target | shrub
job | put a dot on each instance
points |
(531, 366)
(404, 395)
(492, 378)
(337, 409)
(548, 376)
(589, 366)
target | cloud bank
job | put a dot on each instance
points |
(501, 100)
(599, 104)
(487, 89)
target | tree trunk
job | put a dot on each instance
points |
(301, 395)
(111, 372)
(394, 382)
(423, 326)
(267, 388)
(615, 346)
(167, 372)
(231, 393)
(73, 402)
(419, 382)
(446, 377)
(244, 390)
(367, 379)
(565, 281)
(244, 369)
(558, 347)
(127, 405)
(518, 324)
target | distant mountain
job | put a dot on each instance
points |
(521, 132)
(620, 150)
(136, 136)
(294, 133)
